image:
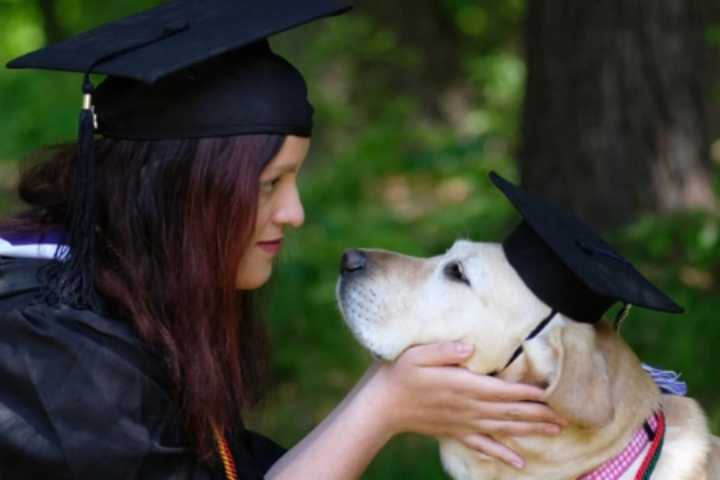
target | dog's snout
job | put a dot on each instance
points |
(353, 261)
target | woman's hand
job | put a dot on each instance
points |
(424, 391)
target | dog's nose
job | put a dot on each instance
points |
(352, 261)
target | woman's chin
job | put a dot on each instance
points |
(253, 280)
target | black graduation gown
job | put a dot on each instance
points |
(81, 398)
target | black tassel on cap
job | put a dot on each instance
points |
(72, 278)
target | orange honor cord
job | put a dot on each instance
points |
(225, 455)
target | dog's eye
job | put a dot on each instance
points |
(454, 271)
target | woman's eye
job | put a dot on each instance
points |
(454, 271)
(269, 186)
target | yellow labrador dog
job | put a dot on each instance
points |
(590, 375)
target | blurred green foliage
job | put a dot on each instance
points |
(394, 168)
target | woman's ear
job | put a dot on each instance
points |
(576, 374)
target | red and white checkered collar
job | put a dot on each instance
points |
(619, 464)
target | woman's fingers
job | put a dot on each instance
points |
(487, 388)
(494, 399)
(515, 411)
(430, 394)
(514, 428)
(504, 391)
(438, 354)
(494, 449)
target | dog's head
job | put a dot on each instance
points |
(472, 294)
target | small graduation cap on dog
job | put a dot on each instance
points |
(568, 266)
(185, 69)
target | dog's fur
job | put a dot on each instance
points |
(590, 375)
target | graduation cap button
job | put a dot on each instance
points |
(175, 27)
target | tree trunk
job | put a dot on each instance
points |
(711, 72)
(614, 122)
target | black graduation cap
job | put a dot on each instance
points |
(568, 266)
(184, 69)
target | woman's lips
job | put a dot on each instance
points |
(273, 246)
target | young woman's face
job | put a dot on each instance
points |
(279, 206)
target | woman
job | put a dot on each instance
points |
(146, 373)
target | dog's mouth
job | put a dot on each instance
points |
(360, 310)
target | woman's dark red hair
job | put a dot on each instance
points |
(174, 219)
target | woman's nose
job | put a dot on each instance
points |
(290, 210)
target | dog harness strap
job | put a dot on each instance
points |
(652, 432)
(541, 326)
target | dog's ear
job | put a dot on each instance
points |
(577, 377)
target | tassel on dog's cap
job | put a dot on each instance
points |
(568, 266)
(185, 69)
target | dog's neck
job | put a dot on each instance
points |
(578, 449)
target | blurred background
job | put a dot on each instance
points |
(610, 108)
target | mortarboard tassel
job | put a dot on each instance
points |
(72, 278)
